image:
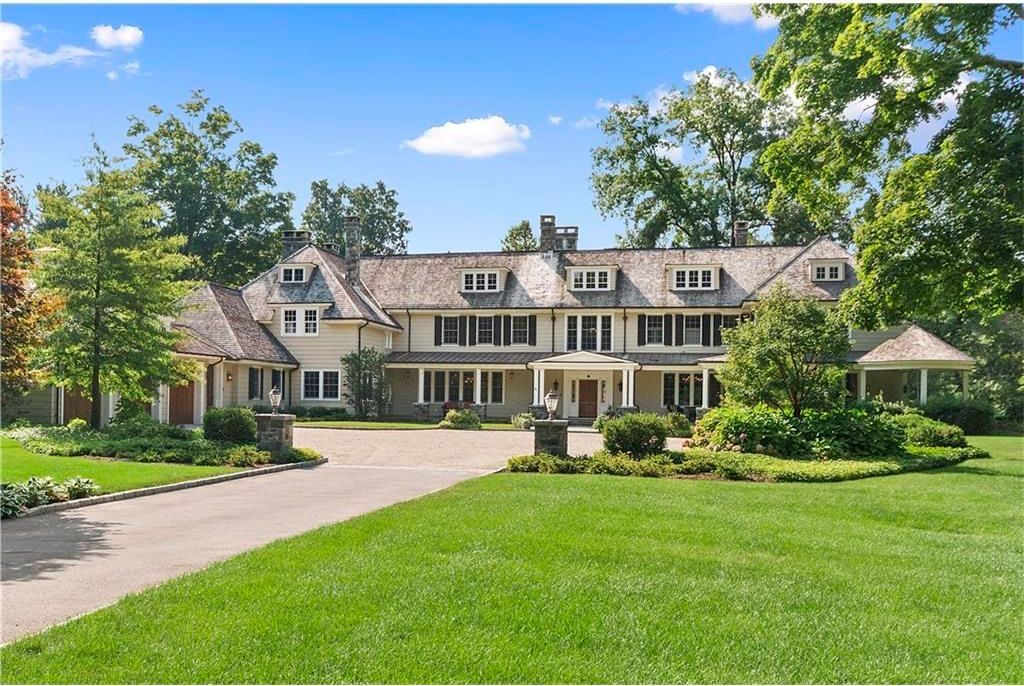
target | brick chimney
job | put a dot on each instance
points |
(557, 238)
(739, 233)
(352, 229)
(292, 240)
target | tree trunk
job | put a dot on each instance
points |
(95, 415)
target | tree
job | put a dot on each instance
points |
(685, 169)
(385, 228)
(792, 355)
(366, 382)
(118, 281)
(218, 194)
(519, 238)
(940, 230)
(24, 313)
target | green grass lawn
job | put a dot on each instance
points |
(394, 424)
(536, 578)
(18, 464)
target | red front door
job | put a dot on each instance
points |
(588, 398)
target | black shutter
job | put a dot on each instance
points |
(437, 330)
(716, 328)
(531, 330)
(462, 329)
(261, 383)
(667, 328)
(641, 329)
(472, 329)
(679, 329)
(496, 329)
(506, 338)
(705, 329)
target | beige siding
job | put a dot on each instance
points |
(37, 406)
(868, 340)
(648, 391)
(421, 335)
(518, 392)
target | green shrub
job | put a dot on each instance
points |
(42, 490)
(636, 435)
(295, 455)
(678, 425)
(135, 425)
(523, 420)
(230, 424)
(881, 406)
(80, 487)
(13, 498)
(527, 463)
(460, 419)
(922, 431)
(758, 429)
(610, 413)
(973, 416)
(78, 425)
(855, 433)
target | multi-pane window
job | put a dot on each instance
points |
(833, 272)
(311, 322)
(293, 274)
(701, 278)
(681, 389)
(485, 330)
(520, 330)
(668, 389)
(588, 332)
(828, 271)
(497, 388)
(450, 331)
(480, 281)
(321, 384)
(819, 273)
(468, 381)
(655, 330)
(572, 340)
(691, 329)
(438, 387)
(277, 379)
(290, 322)
(453, 386)
(255, 383)
(591, 280)
(458, 386)
(331, 386)
(606, 333)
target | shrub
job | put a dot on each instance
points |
(80, 487)
(231, 424)
(925, 432)
(855, 433)
(601, 462)
(636, 435)
(134, 425)
(460, 419)
(523, 420)
(758, 429)
(973, 416)
(12, 500)
(678, 425)
(42, 490)
(610, 413)
(295, 455)
(881, 406)
(77, 425)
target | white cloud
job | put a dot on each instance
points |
(603, 104)
(123, 37)
(586, 122)
(861, 109)
(132, 68)
(555, 119)
(672, 153)
(483, 137)
(17, 59)
(732, 13)
(342, 152)
(112, 76)
(711, 71)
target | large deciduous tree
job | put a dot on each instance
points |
(117, 278)
(791, 356)
(385, 228)
(939, 231)
(217, 192)
(519, 238)
(684, 168)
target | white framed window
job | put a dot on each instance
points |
(684, 389)
(702, 278)
(449, 330)
(828, 271)
(589, 332)
(691, 329)
(655, 330)
(480, 281)
(520, 330)
(492, 388)
(293, 274)
(485, 330)
(321, 384)
(586, 279)
(310, 322)
(389, 340)
(291, 322)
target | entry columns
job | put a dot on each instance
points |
(862, 384)
(419, 396)
(476, 387)
(705, 388)
(923, 390)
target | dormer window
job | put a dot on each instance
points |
(300, 322)
(481, 281)
(828, 271)
(293, 274)
(696, 278)
(591, 278)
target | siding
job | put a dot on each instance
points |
(37, 406)
(868, 340)
(518, 392)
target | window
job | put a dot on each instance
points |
(450, 331)
(453, 386)
(255, 383)
(681, 389)
(668, 389)
(389, 340)
(588, 332)
(497, 387)
(293, 274)
(277, 380)
(438, 387)
(312, 322)
(691, 329)
(591, 279)
(694, 278)
(321, 384)
(828, 271)
(520, 330)
(819, 273)
(480, 281)
(833, 273)
(310, 385)
(655, 330)
(606, 333)
(485, 330)
(730, 321)
(290, 322)
(468, 392)
(331, 386)
(571, 335)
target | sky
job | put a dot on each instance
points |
(479, 116)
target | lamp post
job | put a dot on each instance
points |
(275, 399)
(551, 403)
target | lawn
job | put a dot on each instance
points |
(18, 464)
(532, 578)
(392, 424)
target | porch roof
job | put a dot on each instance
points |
(511, 358)
(917, 346)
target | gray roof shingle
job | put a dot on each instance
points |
(915, 345)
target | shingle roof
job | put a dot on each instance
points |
(796, 273)
(327, 284)
(220, 316)
(915, 345)
(193, 343)
(537, 279)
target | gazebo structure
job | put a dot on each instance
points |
(897, 369)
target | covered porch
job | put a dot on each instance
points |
(587, 384)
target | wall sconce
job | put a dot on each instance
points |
(620, 386)
(555, 385)
(408, 373)
(230, 378)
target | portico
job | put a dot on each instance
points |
(591, 383)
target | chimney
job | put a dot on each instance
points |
(352, 228)
(557, 238)
(739, 233)
(292, 240)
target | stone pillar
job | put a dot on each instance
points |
(922, 391)
(862, 384)
(551, 436)
(705, 388)
(419, 396)
(275, 431)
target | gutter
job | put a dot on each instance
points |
(408, 331)
(359, 335)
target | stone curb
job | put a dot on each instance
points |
(166, 488)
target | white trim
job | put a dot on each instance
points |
(300, 322)
(579, 331)
(498, 280)
(826, 265)
(319, 384)
(596, 270)
(699, 270)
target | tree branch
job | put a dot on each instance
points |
(1013, 66)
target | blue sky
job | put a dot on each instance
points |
(352, 93)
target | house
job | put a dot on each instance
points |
(497, 331)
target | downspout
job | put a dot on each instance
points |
(552, 331)
(359, 335)
(624, 336)
(408, 331)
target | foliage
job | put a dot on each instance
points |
(519, 238)
(925, 432)
(80, 487)
(295, 455)
(77, 425)
(12, 500)
(636, 434)
(128, 424)
(882, 406)
(460, 419)
(218, 193)
(16, 498)
(791, 355)
(601, 462)
(230, 424)
(610, 413)
(677, 425)
(938, 231)
(384, 228)
(973, 416)
(854, 432)
(366, 382)
(117, 280)
(523, 420)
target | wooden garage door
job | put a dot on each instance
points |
(180, 409)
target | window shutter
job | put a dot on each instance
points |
(506, 337)
(705, 329)
(496, 328)
(463, 320)
(679, 329)
(437, 330)
(667, 328)
(531, 330)
(472, 329)
(641, 329)
(716, 328)
(262, 373)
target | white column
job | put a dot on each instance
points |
(112, 399)
(705, 388)
(540, 388)
(630, 387)
(420, 396)
(218, 385)
(923, 389)
(965, 376)
(536, 386)
(476, 387)
(862, 384)
(690, 399)
(199, 399)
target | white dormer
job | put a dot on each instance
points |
(826, 270)
(591, 278)
(295, 272)
(482, 280)
(694, 277)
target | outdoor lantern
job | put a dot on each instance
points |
(551, 403)
(275, 398)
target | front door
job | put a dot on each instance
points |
(180, 402)
(588, 398)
